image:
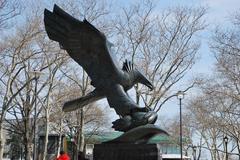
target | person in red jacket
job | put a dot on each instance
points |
(63, 156)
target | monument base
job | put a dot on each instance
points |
(126, 152)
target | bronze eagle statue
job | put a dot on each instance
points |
(90, 49)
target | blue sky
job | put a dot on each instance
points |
(219, 12)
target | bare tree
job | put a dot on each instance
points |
(213, 117)
(172, 126)
(11, 69)
(214, 112)
(164, 46)
(8, 10)
(48, 104)
(224, 90)
(95, 12)
(35, 53)
(84, 115)
(30, 52)
(205, 125)
(94, 118)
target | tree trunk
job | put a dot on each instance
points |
(2, 141)
(60, 138)
(238, 148)
(2, 138)
(46, 136)
(28, 140)
(80, 136)
(199, 153)
(28, 148)
(28, 130)
(81, 142)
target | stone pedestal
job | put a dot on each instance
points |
(126, 152)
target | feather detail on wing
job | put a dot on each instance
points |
(84, 43)
(127, 66)
(82, 101)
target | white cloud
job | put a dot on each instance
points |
(227, 4)
(219, 10)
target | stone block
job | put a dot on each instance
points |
(126, 152)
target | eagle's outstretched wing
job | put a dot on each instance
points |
(84, 43)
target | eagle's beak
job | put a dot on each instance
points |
(149, 85)
(143, 80)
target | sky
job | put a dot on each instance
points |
(219, 11)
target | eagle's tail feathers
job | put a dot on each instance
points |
(81, 102)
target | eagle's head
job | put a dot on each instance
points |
(136, 75)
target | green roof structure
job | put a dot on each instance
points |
(107, 136)
(168, 145)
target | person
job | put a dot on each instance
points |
(63, 156)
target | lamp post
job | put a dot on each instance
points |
(180, 96)
(225, 139)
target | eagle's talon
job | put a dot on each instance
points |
(134, 120)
